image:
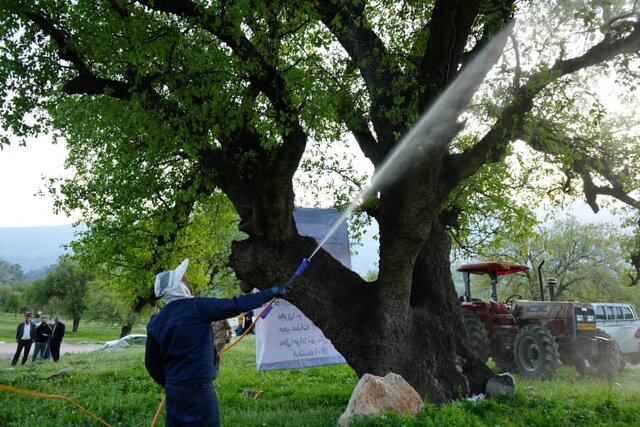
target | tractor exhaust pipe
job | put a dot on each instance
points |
(540, 280)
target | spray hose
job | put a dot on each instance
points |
(301, 268)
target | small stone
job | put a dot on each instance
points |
(253, 394)
(501, 385)
(62, 373)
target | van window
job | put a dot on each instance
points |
(600, 313)
(610, 314)
(619, 312)
(627, 312)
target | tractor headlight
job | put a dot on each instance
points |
(591, 318)
(580, 317)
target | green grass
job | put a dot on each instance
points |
(88, 332)
(116, 387)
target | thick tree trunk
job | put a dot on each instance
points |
(125, 330)
(421, 339)
(76, 323)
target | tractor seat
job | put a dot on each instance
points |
(498, 308)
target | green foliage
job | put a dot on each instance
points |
(126, 256)
(10, 273)
(106, 306)
(492, 210)
(371, 276)
(14, 303)
(139, 146)
(63, 290)
(587, 259)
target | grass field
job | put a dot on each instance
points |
(116, 387)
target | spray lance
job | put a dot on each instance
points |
(282, 289)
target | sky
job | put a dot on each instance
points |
(22, 169)
(21, 172)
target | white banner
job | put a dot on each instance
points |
(286, 338)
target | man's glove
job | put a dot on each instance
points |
(280, 291)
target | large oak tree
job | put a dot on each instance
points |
(163, 101)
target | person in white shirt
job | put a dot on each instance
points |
(25, 334)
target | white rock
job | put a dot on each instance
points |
(501, 385)
(374, 395)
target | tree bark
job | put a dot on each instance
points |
(378, 331)
(125, 330)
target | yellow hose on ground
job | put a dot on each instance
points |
(156, 417)
(54, 396)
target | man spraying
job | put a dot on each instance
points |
(180, 348)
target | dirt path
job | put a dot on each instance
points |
(7, 350)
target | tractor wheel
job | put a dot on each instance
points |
(477, 336)
(535, 353)
(607, 364)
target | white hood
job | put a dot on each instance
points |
(169, 284)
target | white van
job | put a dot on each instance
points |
(621, 322)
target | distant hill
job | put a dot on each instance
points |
(34, 248)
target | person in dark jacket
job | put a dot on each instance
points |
(248, 321)
(43, 335)
(180, 347)
(25, 334)
(57, 334)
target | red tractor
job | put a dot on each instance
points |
(531, 337)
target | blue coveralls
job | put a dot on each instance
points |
(180, 354)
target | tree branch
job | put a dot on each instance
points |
(510, 125)
(378, 69)
(449, 32)
(264, 78)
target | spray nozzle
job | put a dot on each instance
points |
(302, 267)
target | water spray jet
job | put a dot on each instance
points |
(434, 129)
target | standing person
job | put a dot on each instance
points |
(248, 321)
(221, 334)
(25, 334)
(43, 335)
(57, 334)
(239, 328)
(179, 351)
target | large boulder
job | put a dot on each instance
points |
(501, 385)
(374, 395)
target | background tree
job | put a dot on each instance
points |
(107, 307)
(162, 102)
(10, 273)
(64, 290)
(14, 303)
(126, 253)
(587, 260)
(581, 255)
